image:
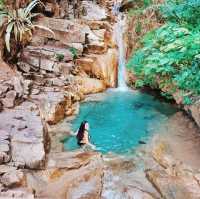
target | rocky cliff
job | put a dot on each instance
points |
(53, 73)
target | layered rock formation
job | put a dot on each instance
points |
(54, 72)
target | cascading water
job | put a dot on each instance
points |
(119, 33)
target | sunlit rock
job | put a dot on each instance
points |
(89, 85)
(64, 30)
(27, 135)
(70, 175)
(93, 11)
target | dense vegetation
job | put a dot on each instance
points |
(170, 56)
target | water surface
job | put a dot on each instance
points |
(122, 120)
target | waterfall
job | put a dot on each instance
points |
(119, 33)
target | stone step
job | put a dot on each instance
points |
(49, 52)
(31, 63)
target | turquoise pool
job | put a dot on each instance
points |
(121, 121)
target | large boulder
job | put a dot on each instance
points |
(28, 138)
(69, 175)
(53, 105)
(179, 186)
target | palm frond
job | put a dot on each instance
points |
(28, 9)
(7, 35)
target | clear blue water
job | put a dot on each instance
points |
(121, 120)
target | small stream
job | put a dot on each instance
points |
(122, 121)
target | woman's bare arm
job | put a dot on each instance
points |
(74, 134)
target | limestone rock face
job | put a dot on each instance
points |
(65, 31)
(17, 193)
(27, 135)
(194, 111)
(93, 11)
(71, 175)
(89, 85)
(104, 66)
(53, 105)
(13, 178)
(4, 147)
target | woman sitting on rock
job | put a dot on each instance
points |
(82, 135)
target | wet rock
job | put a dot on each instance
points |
(103, 67)
(27, 134)
(73, 110)
(12, 178)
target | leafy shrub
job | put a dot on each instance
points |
(74, 52)
(182, 11)
(60, 57)
(170, 59)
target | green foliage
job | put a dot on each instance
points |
(18, 23)
(140, 6)
(170, 58)
(74, 52)
(59, 57)
(182, 11)
(187, 100)
(1, 4)
(138, 28)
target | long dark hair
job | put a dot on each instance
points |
(81, 130)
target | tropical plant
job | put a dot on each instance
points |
(17, 23)
(74, 52)
(60, 57)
